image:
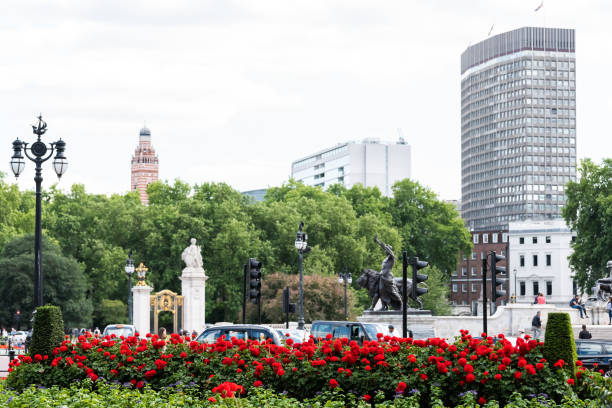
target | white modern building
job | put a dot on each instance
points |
(372, 163)
(538, 261)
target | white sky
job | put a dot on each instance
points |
(234, 91)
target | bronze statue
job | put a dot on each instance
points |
(382, 285)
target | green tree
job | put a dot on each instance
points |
(109, 312)
(17, 211)
(64, 283)
(430, 229)
(588, 212)
(436, 298)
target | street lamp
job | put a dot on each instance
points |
(345, 278)
(39, 152)
(129, 269)
(301, 244)
(514, 292)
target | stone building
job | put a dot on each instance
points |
(145, 165)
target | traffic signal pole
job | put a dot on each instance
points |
(404, 294)
(244, 294)
(484, 295)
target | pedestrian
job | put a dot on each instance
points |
(391, 330)
(96, 331)
(584, 334)
(162, 333)
(609, 309)
(540, 299)
(536, 325)
(575, 304)
(194, 334)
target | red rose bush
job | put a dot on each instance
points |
(490, 369)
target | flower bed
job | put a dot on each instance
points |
(380, 370)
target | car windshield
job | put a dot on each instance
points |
(372, 330)
(119, 331)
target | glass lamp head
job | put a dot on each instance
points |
(17, 162)
(60, 163)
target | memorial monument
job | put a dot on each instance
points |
(193, 289)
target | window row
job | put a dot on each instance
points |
(536, 288)
(535, 260)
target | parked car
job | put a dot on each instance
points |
(19, 337)
(357, 331)
(119, 330)
(240, 331)
(595, 351)
(298, 336)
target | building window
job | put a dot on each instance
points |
(473, 271)
(521, 240)
(548, 239)
(485, 238)
(341, 180)
(475, 237)
(522, 260)
(504, 237)
(455, 287)
(474, 288)
(535, 260)
(464, 287)
(463, 256)
(536, 288)
(463, 271)
(548, 288)
(341, 171)
(535, 240)
(494, 238)
(548, 259)
(522, 288)
(483, 255)
(454, 273)
(473, 255)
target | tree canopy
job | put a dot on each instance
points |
(98, 231)
(588, 212)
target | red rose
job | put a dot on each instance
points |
(517, 375)
(482, 401)
(498, 377)
(333, 383)
(570, 381)
(257, 383)
(470, 377)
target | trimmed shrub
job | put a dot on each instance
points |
(48, 330)
(559, 341)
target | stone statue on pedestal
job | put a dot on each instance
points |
(192, 255)
(193, 288)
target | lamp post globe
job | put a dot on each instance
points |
(38, 152)
(301, 244)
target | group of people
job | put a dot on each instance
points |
(163, 334)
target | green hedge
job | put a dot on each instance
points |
(559, 341)
(47, 330)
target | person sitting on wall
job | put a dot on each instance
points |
(584, 334)
(575, 304)
(391, 330)
(540, 299)
(609, 309)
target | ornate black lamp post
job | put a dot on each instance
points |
(345, 278)
(129, 269)
(301, 245)
(39, 152)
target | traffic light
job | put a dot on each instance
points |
(287, 307)
(495, 281)
(254, 274)
(417, 277)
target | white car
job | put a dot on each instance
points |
(19, 337)
(125, 330)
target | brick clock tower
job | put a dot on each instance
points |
(145, 165)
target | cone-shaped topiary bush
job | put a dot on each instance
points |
(559, 341)
(47, 330)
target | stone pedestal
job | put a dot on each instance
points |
(142, 309)
(193, 289)
(420, 322)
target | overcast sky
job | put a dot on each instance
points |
(234, 91)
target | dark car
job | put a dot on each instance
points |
(595, 351)
(357, 331)
(240, 331)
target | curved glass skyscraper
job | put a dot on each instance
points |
(518, 126)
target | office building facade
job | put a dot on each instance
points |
(518, 126)
(539, 252)
(371, 163)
